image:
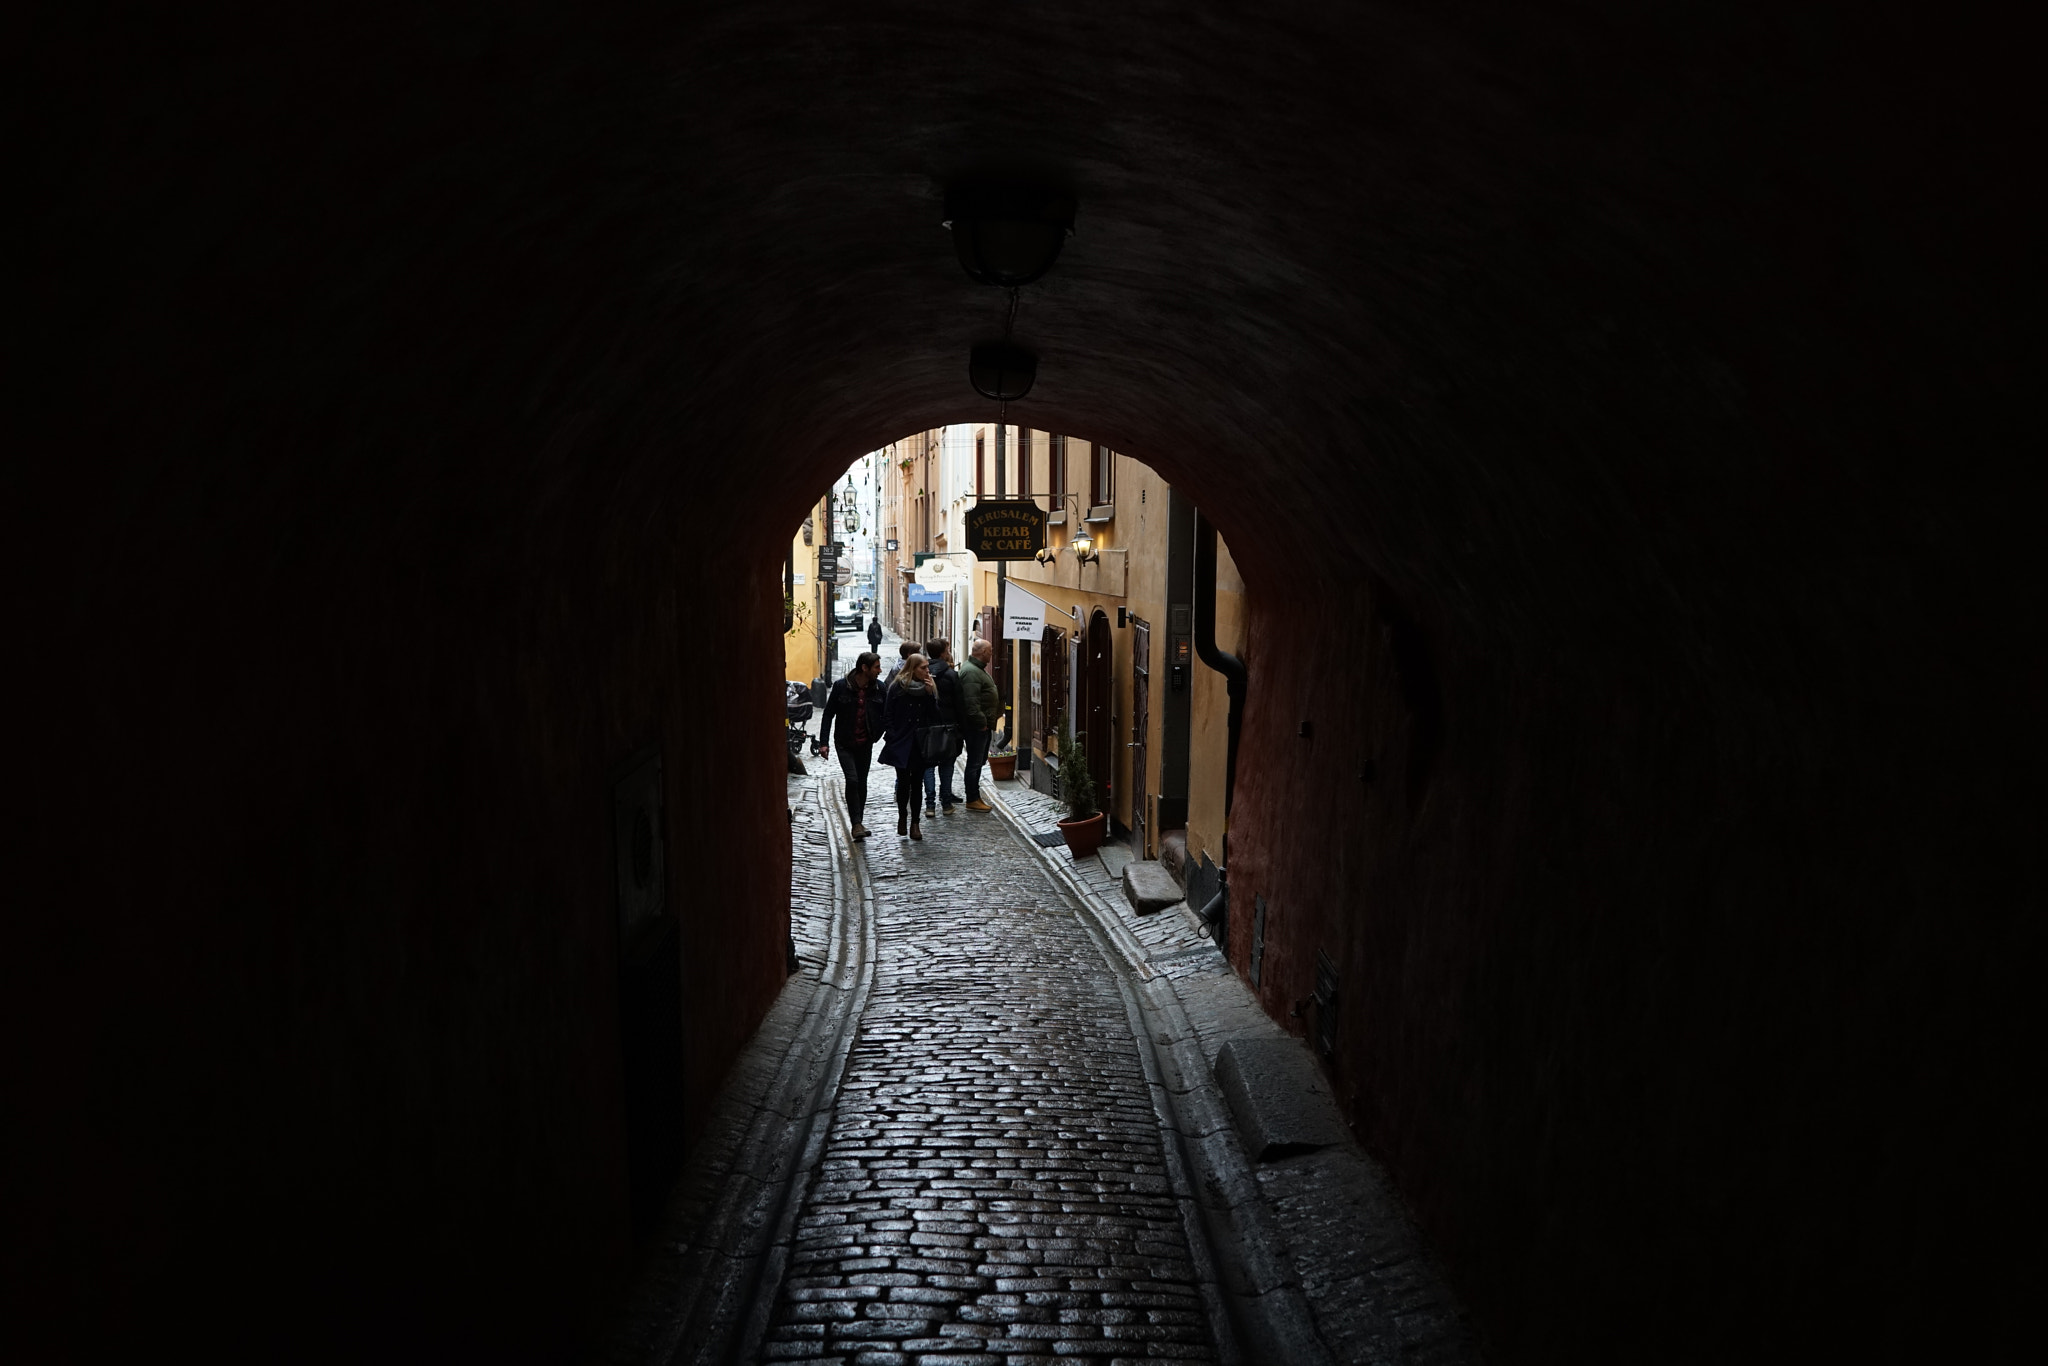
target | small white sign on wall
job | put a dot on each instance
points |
(1023, 615)
(799, 579)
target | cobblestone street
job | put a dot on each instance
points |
(993, 1187)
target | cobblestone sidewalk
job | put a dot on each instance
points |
(980, 1127)
(1340, 1232)
(993, 1188)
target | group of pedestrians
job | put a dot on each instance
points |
(925, 715)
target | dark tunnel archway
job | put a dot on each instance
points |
(1643, 392)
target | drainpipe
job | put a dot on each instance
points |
(1229, 665)
(1216, 914)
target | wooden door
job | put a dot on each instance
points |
(1141, 713)
(1052, 687)
(1100, 707)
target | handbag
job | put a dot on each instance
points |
(935, 742)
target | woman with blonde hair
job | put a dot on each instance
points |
(911, 708)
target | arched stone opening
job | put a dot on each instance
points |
(1650, 439)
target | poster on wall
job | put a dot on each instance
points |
(1037, 676)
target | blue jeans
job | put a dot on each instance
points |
(940, 775)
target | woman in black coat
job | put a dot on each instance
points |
(912, 706)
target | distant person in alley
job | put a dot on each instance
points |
(875, 634)
(854, 719)
(910, 709)
(981, 712)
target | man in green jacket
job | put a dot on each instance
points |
(982, 712)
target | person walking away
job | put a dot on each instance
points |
(853, 718)
(903, 652)
(981, 713)
(952, 709)
(909, 709)
(875, 634)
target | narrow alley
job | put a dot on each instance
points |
(994, 1181)
(1491, 547)
(1020, 1151)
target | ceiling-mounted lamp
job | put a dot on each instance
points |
(1001, 371)
(1006, 234)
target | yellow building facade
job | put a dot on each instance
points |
(1117, 650)
(805, 616)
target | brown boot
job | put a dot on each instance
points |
(916, 830)
(902, 821)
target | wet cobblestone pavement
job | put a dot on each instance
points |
(993, 1186)
(981, 1123)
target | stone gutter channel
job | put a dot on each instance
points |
(1304, 1253)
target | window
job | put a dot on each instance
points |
(1055, 472)
(1023, 462)
(1101, 487)
(980, 464)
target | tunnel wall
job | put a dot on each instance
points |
(418, 415)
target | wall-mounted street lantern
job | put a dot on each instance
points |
(1081, 542)
(1007, 235)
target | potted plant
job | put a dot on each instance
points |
(1002, 762)
(1084, 825)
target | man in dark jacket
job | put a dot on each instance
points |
(984, 712)
(875, 633)
(853, 717)
(952, 712)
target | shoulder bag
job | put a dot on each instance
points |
(936, 741)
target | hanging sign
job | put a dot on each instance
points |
(938, 573)
(1023, 615)
(1004, 529)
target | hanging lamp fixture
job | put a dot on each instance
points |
(1001, 371)
(1007, 234)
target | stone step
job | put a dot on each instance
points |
(1278, 1098)
(1149, 887)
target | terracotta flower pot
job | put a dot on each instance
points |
(1002, 767)
(1084, 836)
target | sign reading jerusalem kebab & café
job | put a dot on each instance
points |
(1004, 529)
